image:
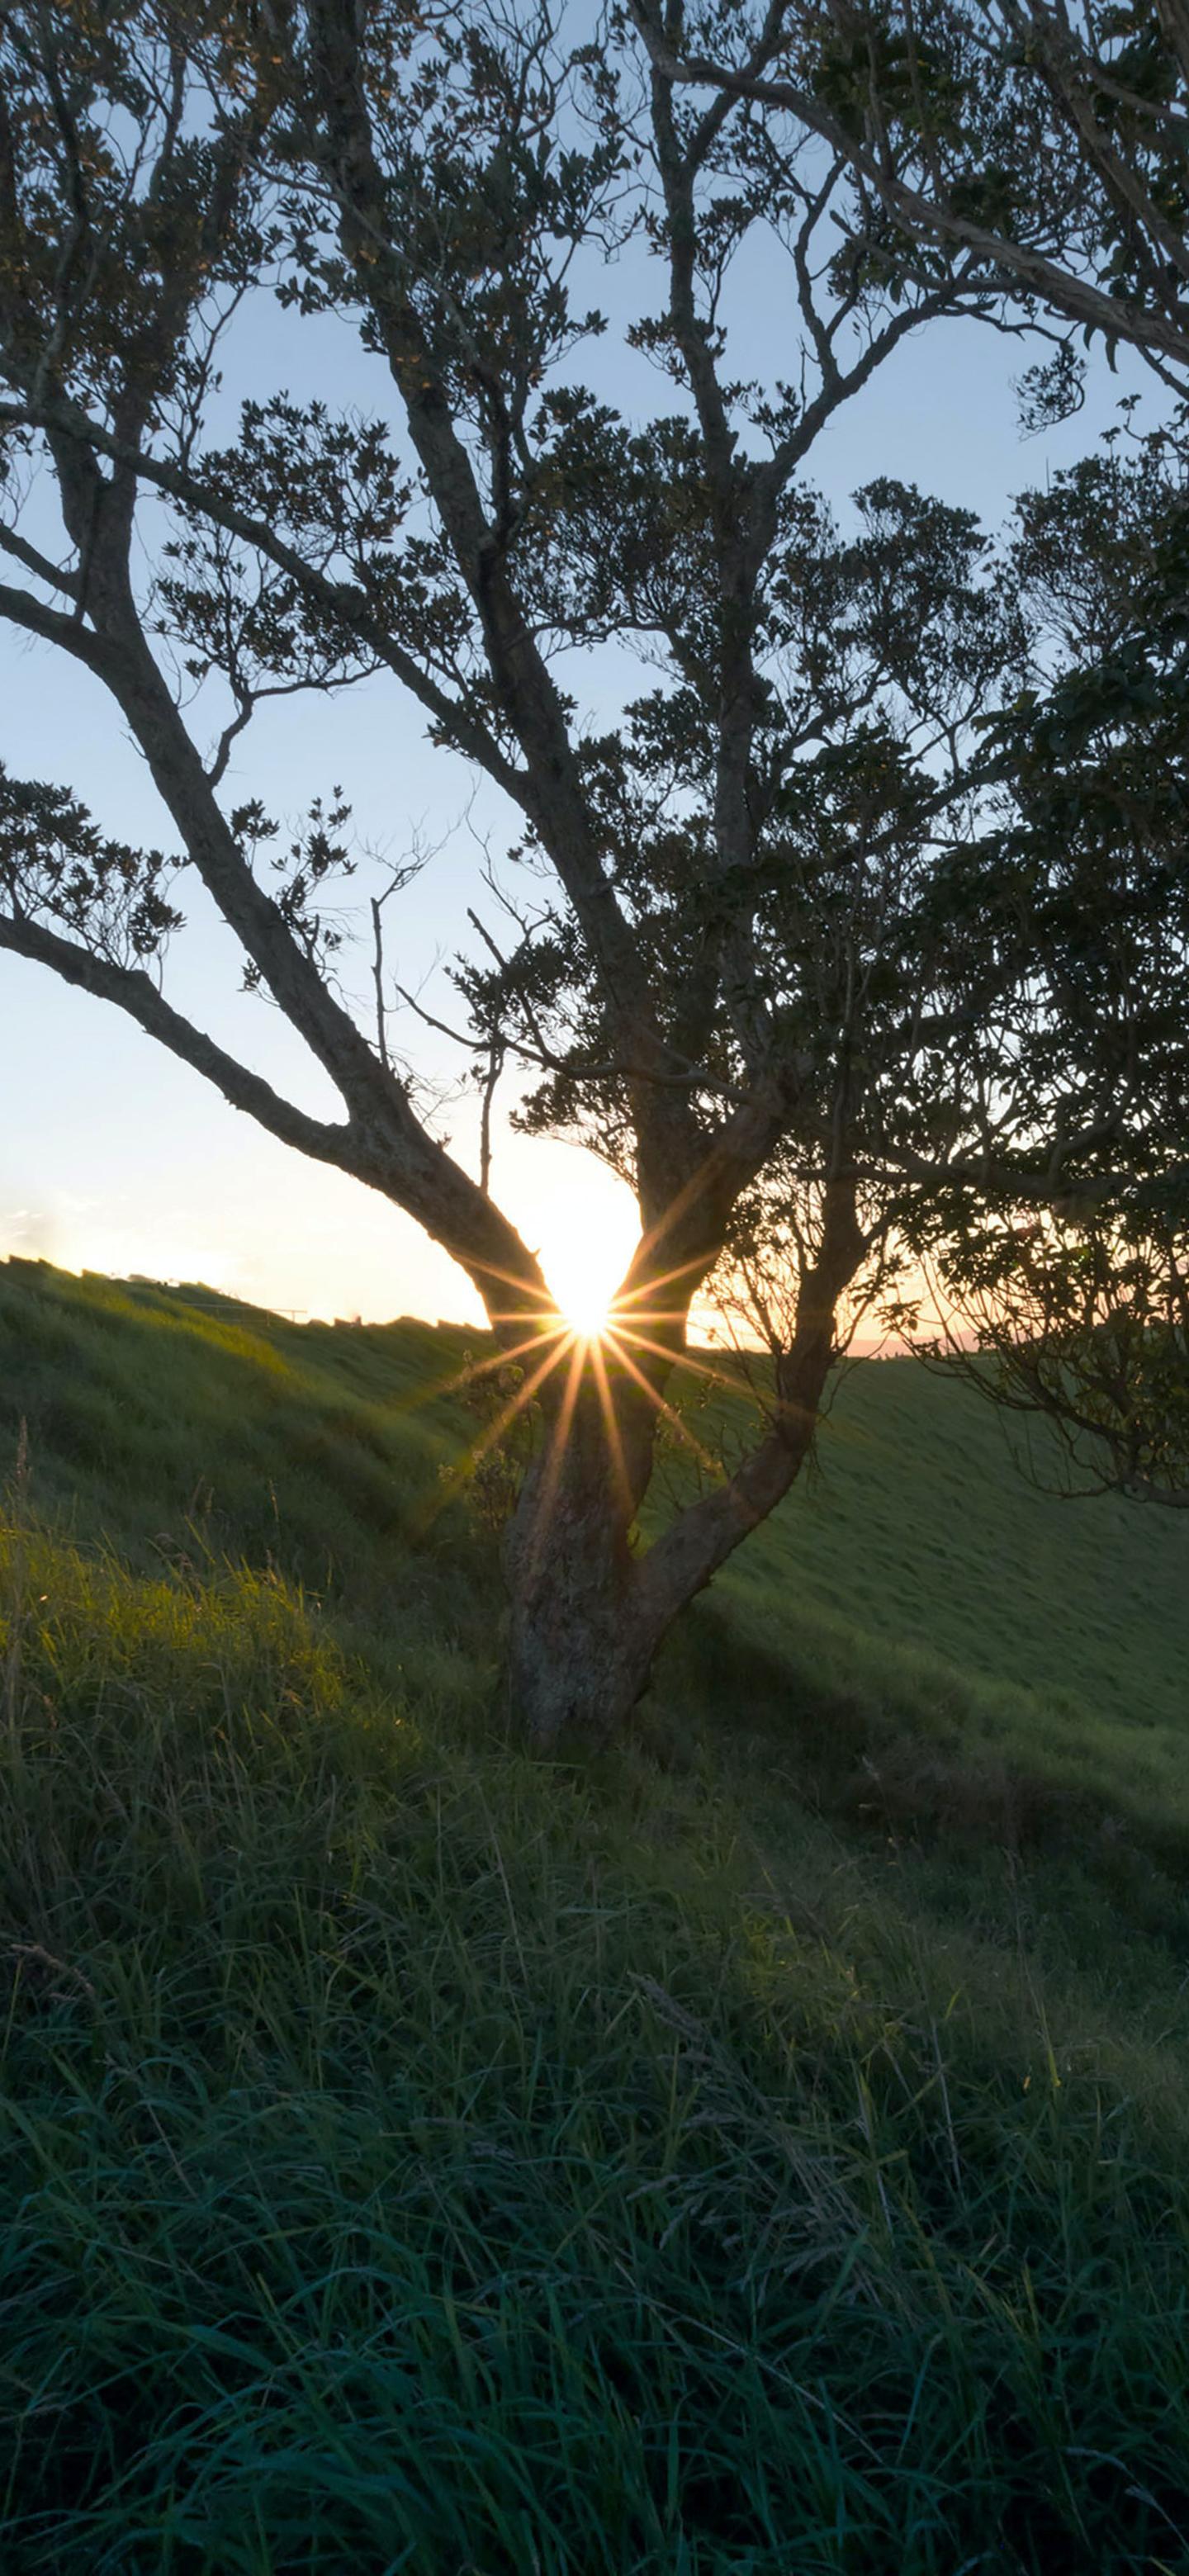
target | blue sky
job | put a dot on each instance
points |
(116, 1158)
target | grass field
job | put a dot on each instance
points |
(763, 2150)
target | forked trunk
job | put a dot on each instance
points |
(588, 1615)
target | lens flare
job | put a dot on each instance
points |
(584, 1282)
(587, 1313)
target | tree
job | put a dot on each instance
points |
(757, 956)
(1083, 1316)
(1046, 144)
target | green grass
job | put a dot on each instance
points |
(763, 2151)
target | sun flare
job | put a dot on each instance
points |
(585, 1229)
(583, 1277)
(587, 1313)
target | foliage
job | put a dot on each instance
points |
(1041, 149)
(54, 862)
(1081, 1310)
(501, 1404)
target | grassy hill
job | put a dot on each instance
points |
(763, 2150)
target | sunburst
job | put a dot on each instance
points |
(587, 1311)
(592, 1333)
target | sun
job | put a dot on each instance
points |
(584, 1286)
(587, 1311)
(586, 1228)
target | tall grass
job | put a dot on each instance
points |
(418, 2158)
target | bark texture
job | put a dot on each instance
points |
(580, 1650)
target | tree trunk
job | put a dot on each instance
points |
(580, 1659)
(580, 1649)
(588, 1615)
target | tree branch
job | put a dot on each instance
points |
(1160, 334)
(334, 599)
(135, 992)
(689, 1553)
(342, 146)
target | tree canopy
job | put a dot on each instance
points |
(1046, 144)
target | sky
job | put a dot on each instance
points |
(113, 1156)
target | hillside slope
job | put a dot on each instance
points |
(761, 2153)
(916, 1589)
